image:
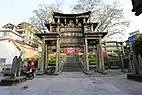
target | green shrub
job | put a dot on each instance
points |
(92, 62)
(52, 58)
(52, 61)
(114, 54)
(62, 55)
(137, 45)
(81, 55)
(91, 58)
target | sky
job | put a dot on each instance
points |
(16, 11)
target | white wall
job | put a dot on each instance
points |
(39, 48)
(1, 34)
(14, 36)
(8, 50)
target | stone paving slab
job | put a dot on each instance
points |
(74, 84)
(12, 81)
(63, 86)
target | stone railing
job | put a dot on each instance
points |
(61, 66)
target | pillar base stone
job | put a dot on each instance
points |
(56, 73)
(101, 72)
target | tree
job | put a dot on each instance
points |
(137, 45)
(110, 17)
(43, 14)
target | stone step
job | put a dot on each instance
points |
(71, 66)
(71, 63)
(76, 65)
(71, 70)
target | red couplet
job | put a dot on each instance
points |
(71, 50)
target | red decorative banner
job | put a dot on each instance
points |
(104, 53)
(71, 50)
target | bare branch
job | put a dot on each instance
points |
(44, 13)
(111, 17)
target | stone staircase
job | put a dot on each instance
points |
(71, 63)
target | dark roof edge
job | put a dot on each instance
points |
(59, 14)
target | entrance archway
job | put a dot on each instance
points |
(72, 31)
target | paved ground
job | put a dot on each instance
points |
(76, 83)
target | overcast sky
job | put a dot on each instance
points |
(16, 11)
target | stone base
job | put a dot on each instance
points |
(86, 72)
(56, 73)
(105, 72)
(101, 72)
(134, 77)
(12, 81)
(40, 73)
(114, 67)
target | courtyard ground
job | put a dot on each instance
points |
(76, 83)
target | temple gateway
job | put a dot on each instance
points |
(72, 31)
